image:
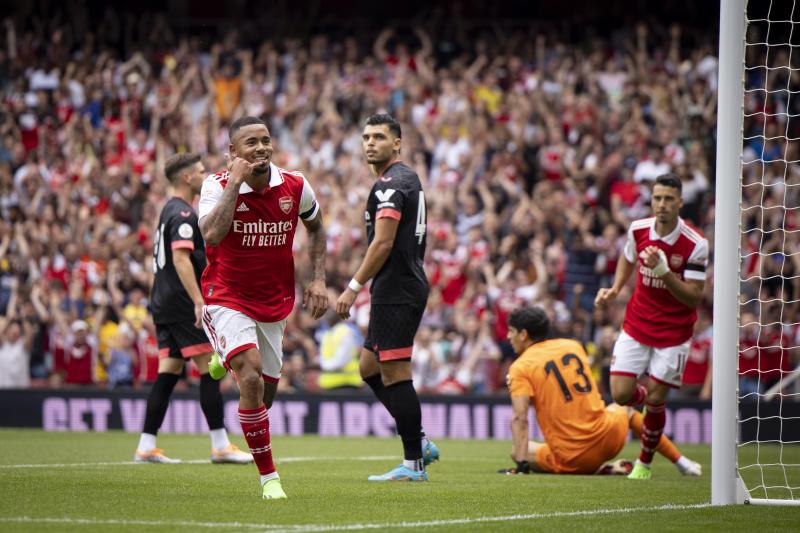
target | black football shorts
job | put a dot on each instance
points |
(181, 340)
(392, 328)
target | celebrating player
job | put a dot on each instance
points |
(396, 231)
(659, 320)
(177, 306)
(248, 216)
(581, 433)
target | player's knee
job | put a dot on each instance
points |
(621, 396)
(365, 370)
(250, 379)
(367, 365)
(170, 366)
(657, 395)
(622, 391)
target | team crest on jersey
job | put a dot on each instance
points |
(285, 203)
(185, 231)
(675, 260)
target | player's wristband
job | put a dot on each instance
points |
(661, 267)
(355, 286)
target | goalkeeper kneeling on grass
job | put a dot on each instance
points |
(581, 432)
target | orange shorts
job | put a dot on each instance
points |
(595, 454)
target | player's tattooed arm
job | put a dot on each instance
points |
(315, 296)
(317, 240)
(216, 224)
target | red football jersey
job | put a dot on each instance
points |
(696, 368)
(654, 317)
(252, 269)
(81, 359)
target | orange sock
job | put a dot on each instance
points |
(665, 446)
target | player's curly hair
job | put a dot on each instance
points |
(533, 320)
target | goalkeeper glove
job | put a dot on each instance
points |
(523, 467)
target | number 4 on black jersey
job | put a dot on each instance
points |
(398, 194)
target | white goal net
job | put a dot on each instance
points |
(768, 444)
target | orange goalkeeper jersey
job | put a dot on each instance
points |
(556, 376)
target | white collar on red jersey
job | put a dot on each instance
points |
(275, 179)
(670, 238)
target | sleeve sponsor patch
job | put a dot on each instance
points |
(185, 230)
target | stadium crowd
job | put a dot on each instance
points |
(536, 150)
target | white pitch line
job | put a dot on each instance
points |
(481, 519)
(120, 522)
(201, 461)
(305, 528)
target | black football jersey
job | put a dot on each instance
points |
(398, 194)
(177, 228)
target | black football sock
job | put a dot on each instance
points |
(405, 408)
(158, 401)
(211, 402)
(375, 383)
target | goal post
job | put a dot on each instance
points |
(755, 455)
(726, 252)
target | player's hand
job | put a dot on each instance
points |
(198, 315)
(605, 297)
(315, 297)
(655, 259)
(523, 467)
(238, 168)
(344, 303)
(649, 256)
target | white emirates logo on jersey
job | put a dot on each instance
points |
(242, 208)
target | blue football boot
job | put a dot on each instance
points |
(401, 473)
(430, 453)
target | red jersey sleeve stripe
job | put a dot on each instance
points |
(388, 212)
(182, 245)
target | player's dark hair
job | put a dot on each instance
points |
(670, 180)
(242, 122)
(533, 320)
(382, 118)
(177, 163)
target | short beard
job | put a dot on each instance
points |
(258, 169)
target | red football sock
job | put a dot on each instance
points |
(665, 446)
(654, 421)
(255, 425)
(639, 394)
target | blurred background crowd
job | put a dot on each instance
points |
(536, 141)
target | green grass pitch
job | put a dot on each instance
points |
(325, 479)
